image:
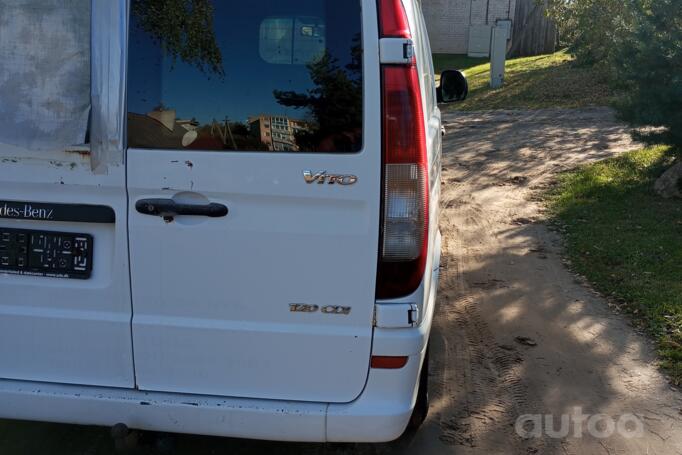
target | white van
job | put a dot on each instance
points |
(246, 242)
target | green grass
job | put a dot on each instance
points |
(546, 81)
(627, 241)
(442, 62)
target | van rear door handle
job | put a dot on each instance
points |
(170, 208)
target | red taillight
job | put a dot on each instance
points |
(393, 21)
(404, 236)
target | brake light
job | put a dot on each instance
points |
(393, 21)
(404, 235)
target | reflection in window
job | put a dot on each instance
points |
(286, 76)
(292, 40)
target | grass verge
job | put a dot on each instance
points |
(443, 62)
(546, 81)
(627, 241)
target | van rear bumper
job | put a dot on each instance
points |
(379, 415)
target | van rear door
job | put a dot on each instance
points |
(65, 307)
(254, 176)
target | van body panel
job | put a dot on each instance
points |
(67, 330)
(212, 297)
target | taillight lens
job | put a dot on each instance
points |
(404, 238)
(393, 21)
(404, 215)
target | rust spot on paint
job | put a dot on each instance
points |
(82, 152)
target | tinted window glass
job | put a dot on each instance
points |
(276, 75)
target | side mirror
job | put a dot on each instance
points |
(453, 87)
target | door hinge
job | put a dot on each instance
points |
(396, 315)
(396, 51)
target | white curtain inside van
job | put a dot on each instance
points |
(44, 73)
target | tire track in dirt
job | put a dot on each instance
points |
(480, 381)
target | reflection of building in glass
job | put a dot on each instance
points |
(278, 133)
(161, 128)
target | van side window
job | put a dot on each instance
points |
(282, 76)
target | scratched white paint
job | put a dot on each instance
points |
(44, 72)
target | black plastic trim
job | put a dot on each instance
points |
(45, 211)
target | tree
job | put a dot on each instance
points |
(184, 29)
(647, 65)
(589, 28)
(335, 103)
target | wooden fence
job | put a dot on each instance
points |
(534, 33)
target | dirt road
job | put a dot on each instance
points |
(515, 332)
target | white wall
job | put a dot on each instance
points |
(448, 21)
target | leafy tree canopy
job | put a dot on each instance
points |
(334, 105)
(639, 44)
(184, 29)
(647, 65)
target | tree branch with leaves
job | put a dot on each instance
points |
(184, 29)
